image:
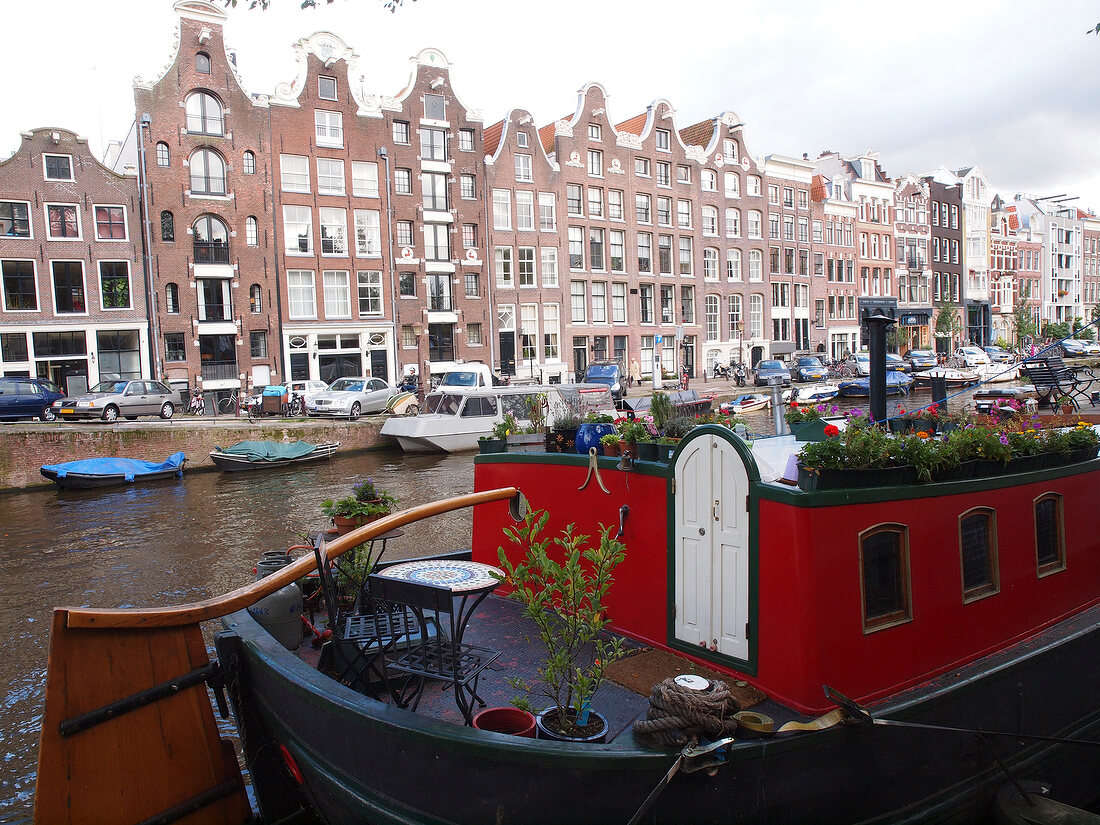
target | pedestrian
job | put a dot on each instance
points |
(635, 372)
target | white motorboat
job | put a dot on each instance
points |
(811, 394)
(750, 402)
(455, 418)
(998, 373)
(954, 377)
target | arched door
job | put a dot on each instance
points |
(712, 547)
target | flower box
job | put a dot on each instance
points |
(809, 430)
(848, 478)
(487, 446)
(647, 450)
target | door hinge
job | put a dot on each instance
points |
(674, 610)
(746, 630)
(674, 486)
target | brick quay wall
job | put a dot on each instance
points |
(24, 448)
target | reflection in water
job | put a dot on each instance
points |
(170, 542)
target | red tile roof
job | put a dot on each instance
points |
(634, 125)
(546, 136)
(491, 136)
(698, 134)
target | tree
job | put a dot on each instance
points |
(947, 321)
(1022, 318)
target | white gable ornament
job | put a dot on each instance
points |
(719, 160)
(616, 167)
(575, 160)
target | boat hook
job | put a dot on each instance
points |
(624, 511)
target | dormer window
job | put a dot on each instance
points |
(594, 131)
(435, 107)
(663, 139)
(326, 88)
(521, 140)
(202, 63)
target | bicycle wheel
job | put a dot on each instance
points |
(227, 406)
(254, 413)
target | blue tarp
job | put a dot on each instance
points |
(129, 467)
(268, 450)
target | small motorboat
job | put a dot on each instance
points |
(998, 373)
(897, 383)
(811, 394)
(264, 455)
(404, 403)
(88, 473)
(746, 403)
(954, 377)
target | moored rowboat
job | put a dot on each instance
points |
(89, 473)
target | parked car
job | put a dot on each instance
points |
(897, 363)
(1091, 347)
(608, 373)
(1073, 348)
(767, 368)
(972, 356)
(809, 368)
(860, 362)
(351, 397)
(22, 397)
(920, 359)
(999, 355)
(108, 400)
(307, 389)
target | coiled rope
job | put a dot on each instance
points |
(680, 715)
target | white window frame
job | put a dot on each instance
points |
(523, 168)
(79, 222)
(292, 170)
(328, 128)
(548, 263)
(548, 217)
(125, 223)
(335, 174)
(293, 216)
(99, 284)
(368, 233)
(335, 221)
(502, 209)
(525, 211)
(337, 293)
(306, 289)
(72, 169)
(364, 179)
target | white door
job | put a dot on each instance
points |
(711, 547)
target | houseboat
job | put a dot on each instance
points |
(956, 625)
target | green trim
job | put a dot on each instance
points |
(645, 468)
(868, 495)
(747, 666)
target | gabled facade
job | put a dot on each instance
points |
(207, 178)
(74, 300)
(977, 195)
(948, 285)
(914, 267)
(841, 293)
(790, 253)
(1060, 231)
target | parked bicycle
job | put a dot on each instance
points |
(233, 404)
(196, 405)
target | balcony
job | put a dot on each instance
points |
(219, 370)
(207, 252)
(215, 313)
(440, 303)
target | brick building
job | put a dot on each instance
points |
(75, 306)
(913, 265)
(945, 205)
(841, 292)
(208, 179)
(790, 252)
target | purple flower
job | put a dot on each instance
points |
(1004, 439)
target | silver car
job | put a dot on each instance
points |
(351, 397)
(107, 400)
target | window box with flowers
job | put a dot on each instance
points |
(808, 421)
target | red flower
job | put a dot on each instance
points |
(831, 430)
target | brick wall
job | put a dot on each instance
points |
(25, 448)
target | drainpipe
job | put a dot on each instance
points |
(283, 356)
(382, 153)
(146, 263)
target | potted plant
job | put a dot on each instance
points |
(591, 432)
(660, 407)
(533, 437)
(562, 583)
(1065, 403)
(497, 440)
(609, 443)
(678, 427)
(366, 503)
(630, 433)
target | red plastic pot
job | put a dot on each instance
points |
(506, 720)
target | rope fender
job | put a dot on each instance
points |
(680, 715)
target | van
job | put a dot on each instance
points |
(608, 373)
(22, 397)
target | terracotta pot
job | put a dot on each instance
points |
(611, 449)
(629, 448)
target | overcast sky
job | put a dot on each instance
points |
(1013, 87)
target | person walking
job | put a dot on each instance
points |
(635, 372)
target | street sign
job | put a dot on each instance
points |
(657, 339)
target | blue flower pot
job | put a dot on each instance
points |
(589, 435)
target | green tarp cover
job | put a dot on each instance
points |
(269, 450)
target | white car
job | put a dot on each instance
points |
(351, 397)
(307, 389)
(860, 362)
(972, 356)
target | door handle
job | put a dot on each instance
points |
(715, 509)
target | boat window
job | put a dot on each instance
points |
(1050, 534)
(479, 406)
(884, 567)
(978, 552)
(516, 405)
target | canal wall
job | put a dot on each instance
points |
(24, 448)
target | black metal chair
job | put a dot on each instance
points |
(438, 656)
(362, 631)
(1053, 379)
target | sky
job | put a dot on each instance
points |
(1012, 87)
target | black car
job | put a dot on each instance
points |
(771, 367)
(921, 359)
(22, 397)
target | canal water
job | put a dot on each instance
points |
(168, 543)
(182, 541)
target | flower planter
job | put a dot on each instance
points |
(589, 435)
(488, 446)
(508, 720)
(629, 448)
(984, 467)
(561, 441)
(809, 430)
(647, 450)
(963, 470)
(608, 449)
(527, 443)
(849, 478)
(1075, 456)
(345, 524)
(1028, 463)
(899, 426)
(664, 452)
(595, 732)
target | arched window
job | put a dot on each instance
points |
(207, 172)
(710, 221)
(167, 226)
(735, 319)
(710, 304)
(884, 576)
(211, 243)
(162, 154)
(251, 231)
(978, 553)
(255, 299)
(710, 264)
(204, 114)
(249, 163)
(733, 264)
(172, 299)
(1050, 534)
(202, 63)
